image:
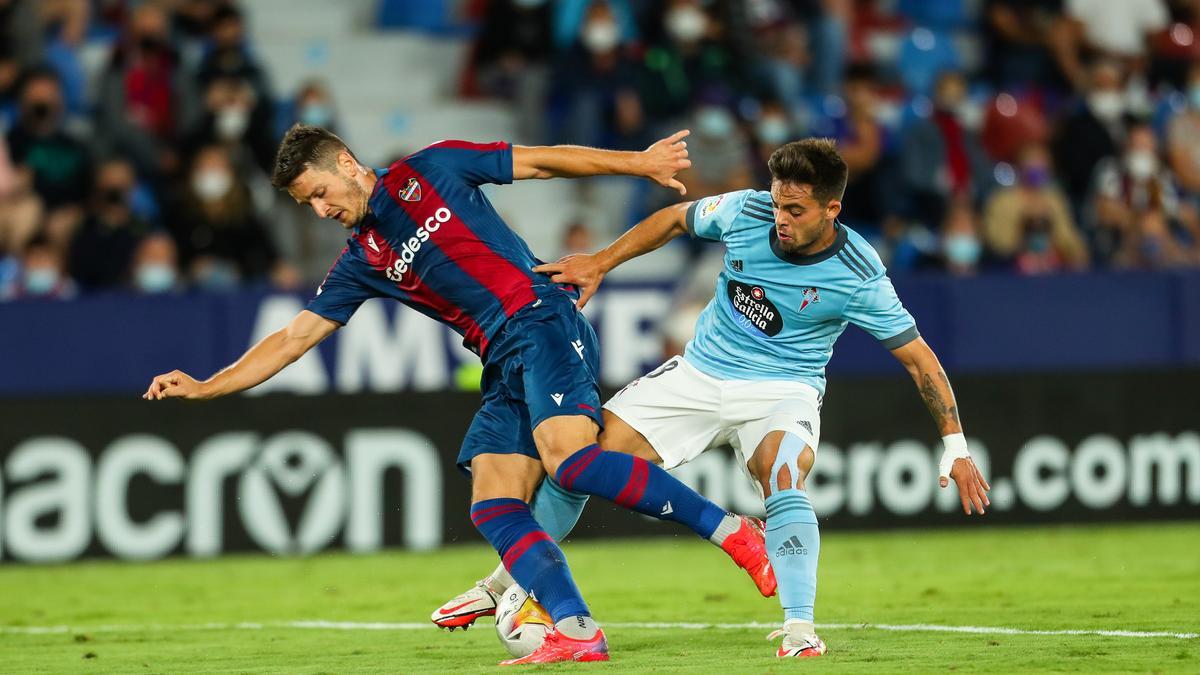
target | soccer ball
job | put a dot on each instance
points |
(521, 623)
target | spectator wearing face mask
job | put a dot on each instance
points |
(942, 157)
(1095, 131)
(138, 100)
(719, 151)
(1132, 187)
(685, 61)
(60, 163)
(236, 118)
(230, 54)
(595, 87)
(772, 129)
(43, 273)
(313, 106)
(962, 251)
(221, 239)
(301, 237)
(155, 268)
(1030, 222)
(862, 140)
(103, 247)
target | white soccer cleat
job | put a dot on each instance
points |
(464, 609)
(796, 642)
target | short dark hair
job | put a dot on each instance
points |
(305, 146)
(36, 74)
(812, 161)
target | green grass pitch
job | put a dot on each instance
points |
(183, 615)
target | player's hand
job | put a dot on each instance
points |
(972, 488)
(584, 270)
(666, 158)
(175, 384)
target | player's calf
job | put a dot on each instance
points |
(792, 536)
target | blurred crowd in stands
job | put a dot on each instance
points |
(1008, 136)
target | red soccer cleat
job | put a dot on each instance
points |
(748, 548)
(559, 647)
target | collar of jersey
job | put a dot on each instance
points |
(379, 174)
(811, 258)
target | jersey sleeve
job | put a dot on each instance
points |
(473, 163)
(341, 293)
(712, 217)
(875, 308)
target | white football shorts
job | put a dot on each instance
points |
(682, 412)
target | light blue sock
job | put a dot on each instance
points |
(794, 542)
(557, 509)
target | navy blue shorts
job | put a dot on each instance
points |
(544, 362)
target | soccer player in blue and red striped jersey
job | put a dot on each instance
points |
(424, 233)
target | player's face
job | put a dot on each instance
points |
(332, 194)
(800, 220)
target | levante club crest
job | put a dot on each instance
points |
(412, 191)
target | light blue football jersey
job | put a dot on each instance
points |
(776, 315)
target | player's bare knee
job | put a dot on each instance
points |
(781, 461)
(763, 457)
(558, 438)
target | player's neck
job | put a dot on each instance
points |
(826, 239)
(368, 181)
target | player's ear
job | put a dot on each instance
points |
(832, 209)
(347, 163)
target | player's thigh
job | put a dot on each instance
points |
(674, 409)
(501, 426)
(619, 436)
(778, 447)
(559, 367)
(512, 476)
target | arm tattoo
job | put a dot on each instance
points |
(943, 410)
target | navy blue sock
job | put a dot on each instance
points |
(529, 555)
(636, 484)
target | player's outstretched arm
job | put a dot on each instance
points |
(956, 463)
(256, 366)
(588, 269)
(659, 162)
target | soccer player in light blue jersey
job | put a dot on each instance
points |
(754, 375)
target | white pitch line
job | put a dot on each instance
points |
(381, 626)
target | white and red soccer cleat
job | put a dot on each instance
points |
(796, 643)
(465, 609)
(748, 548)
(559, 647)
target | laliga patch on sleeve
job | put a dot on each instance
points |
(710, 205)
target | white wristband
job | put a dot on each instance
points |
(955, 448)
